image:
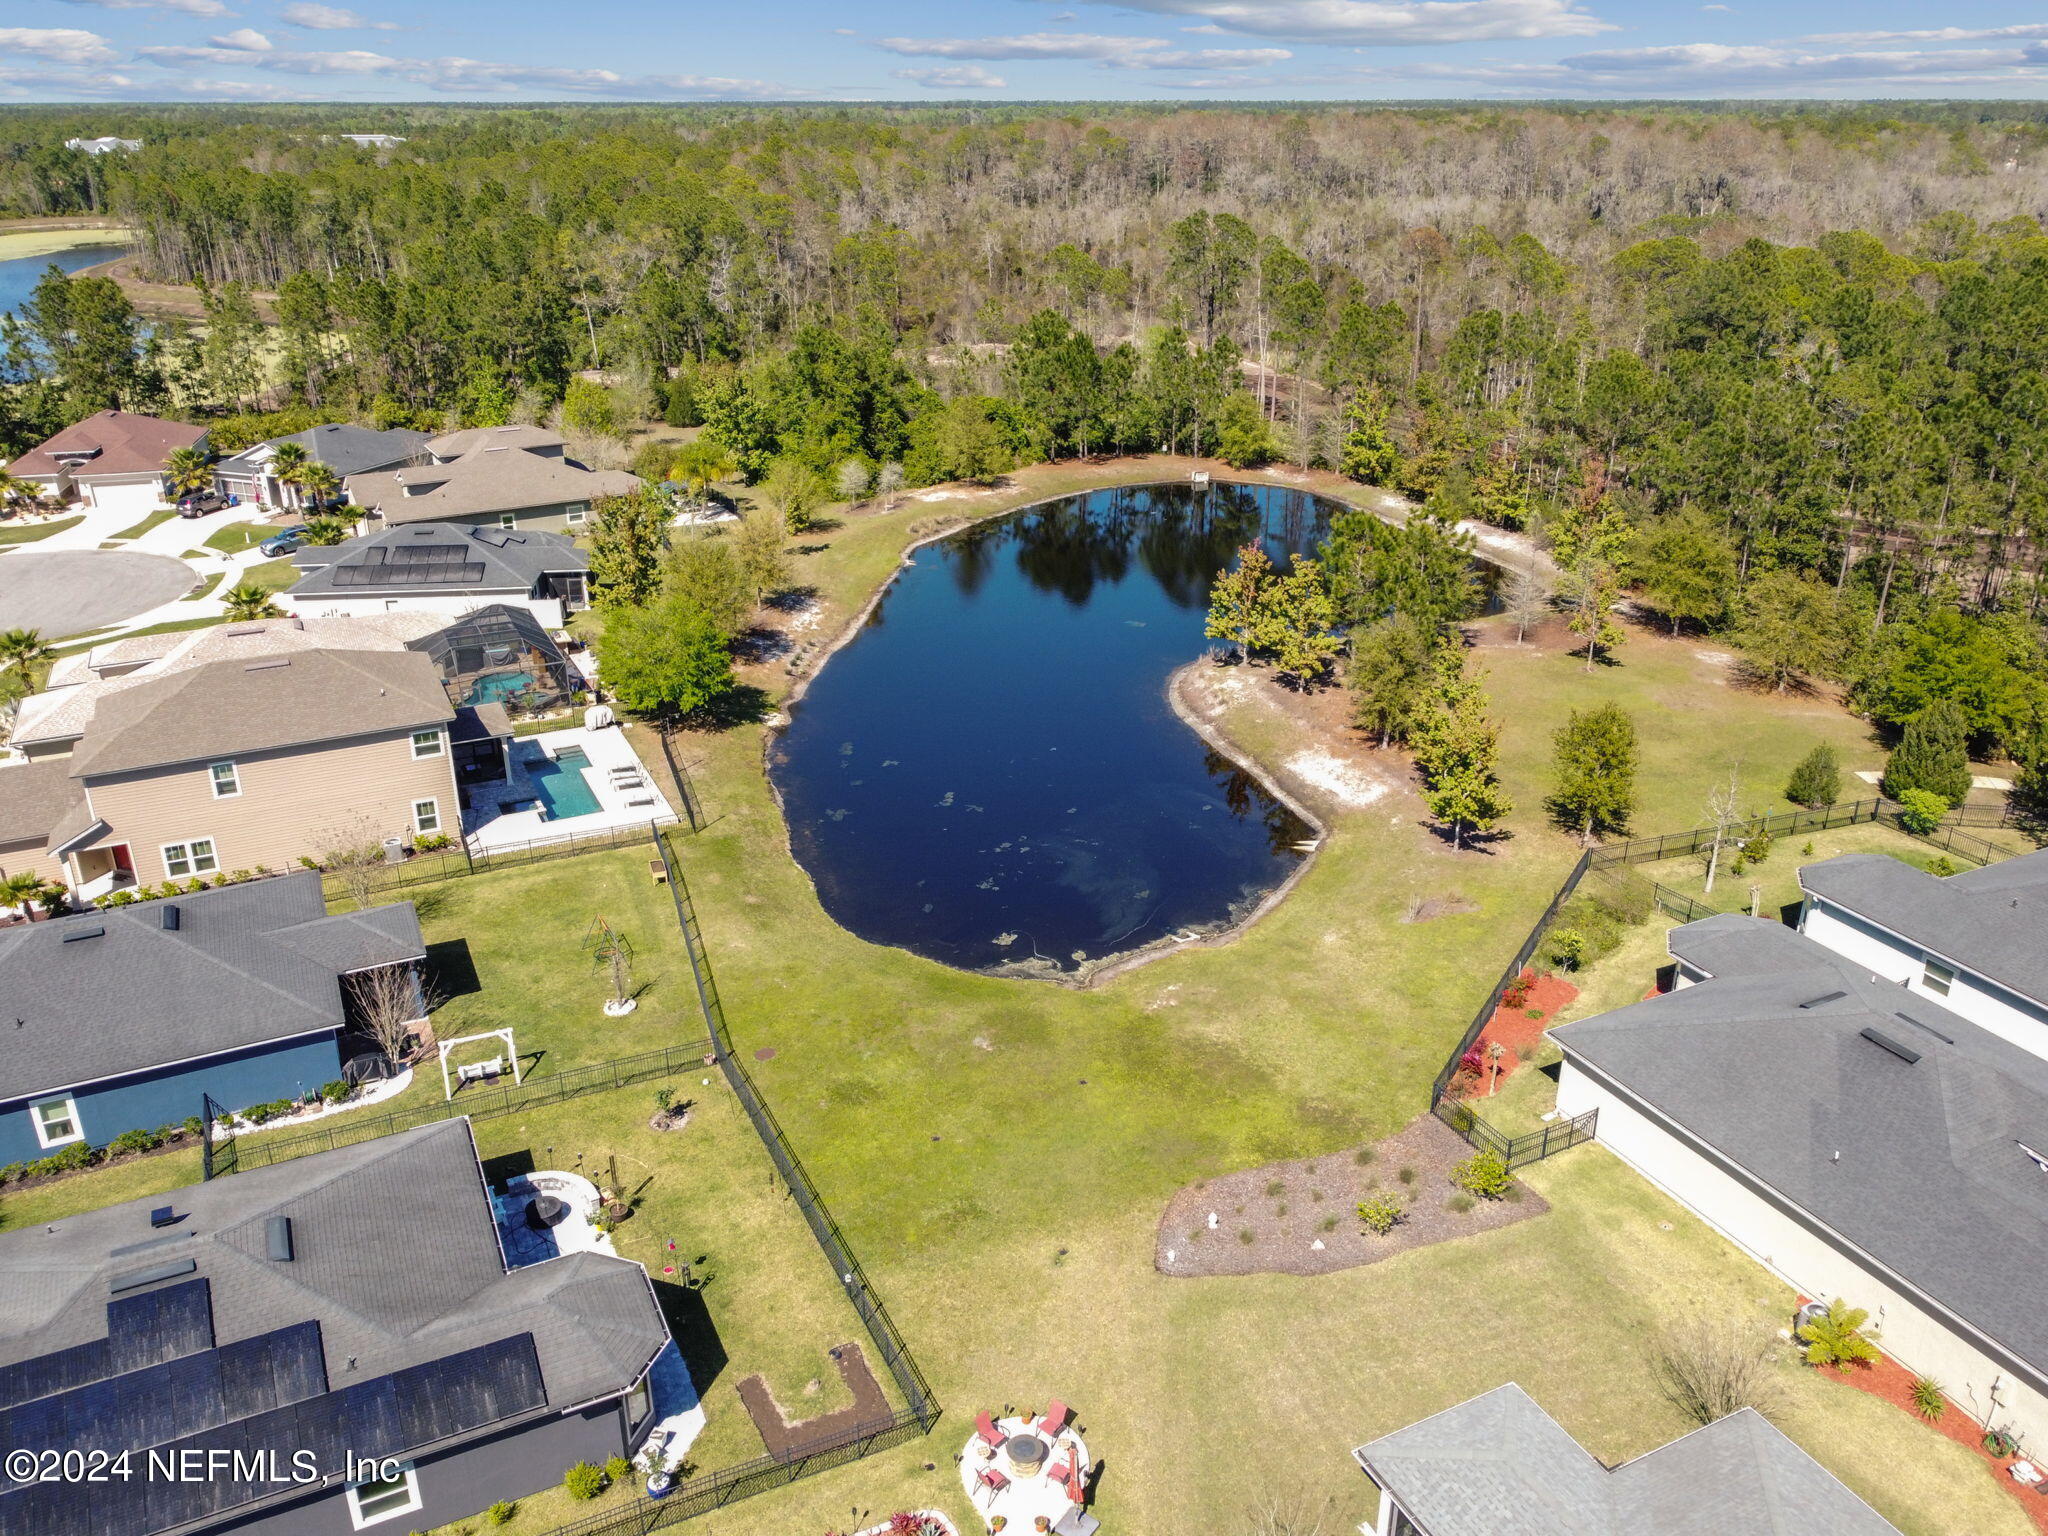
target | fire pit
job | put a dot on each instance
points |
(1026, 1454)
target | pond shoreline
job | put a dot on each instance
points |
(1106, 967)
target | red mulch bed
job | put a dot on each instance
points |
(1891, 1381)
(1513, 1028)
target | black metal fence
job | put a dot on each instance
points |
(1516, 1151)
(259, 1149)
(687, 800)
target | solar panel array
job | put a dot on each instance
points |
(142, 1331)
(410, 565)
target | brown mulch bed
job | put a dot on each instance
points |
(784, 1438)
(1517, 1030)
(1269, 1219)
(1891, 1381)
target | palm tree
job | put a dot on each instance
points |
(23, 648)
(326, 530)
(700, 462)
(319, 482)
(15, 492)
(288, 463)
(249, 601)
(1835, 1337)
(188, 472)
(19, 891)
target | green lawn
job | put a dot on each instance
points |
(1774, 884)
(204, 589)
(137, 530)
(236, 537)
(172, 627)
(270, 575)
(14, 532)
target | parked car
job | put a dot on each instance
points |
(284, 541)
(201, 504)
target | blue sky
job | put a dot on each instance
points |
(454, 50)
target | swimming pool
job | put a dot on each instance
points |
(559, 782)
(497, 687)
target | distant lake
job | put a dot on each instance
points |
(990, 773)
(19, 275)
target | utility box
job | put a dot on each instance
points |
(394, 850)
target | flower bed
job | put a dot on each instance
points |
(917, 1522)
(1525, 1011)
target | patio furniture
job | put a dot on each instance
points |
(479, 1071)
(994, 1481)
(657, 871)
(1055, 1420)
(1026, 1453)
(985, 1428)
(1077, 1522)
(641, 800)
(1062, 1472)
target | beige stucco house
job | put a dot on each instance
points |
(506, 477)
(111, 459)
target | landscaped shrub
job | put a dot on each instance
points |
(617, 1469)
(1758, 848)
(1928, 1401)
(501, 1512)
(1921, 810)
(1709, 1367)
(1460, 1204)
(1567, 949)
(1836, 1337)
(1484, 1174)
(583, 1481)
(335, 1092)
(256, 1114)
(135, 1141)
(1516, 992)
(1943, 866)
(1380, 1212)
(1817, 782)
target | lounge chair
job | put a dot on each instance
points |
(641, 800)
(985, 1429)
(1055, 1420)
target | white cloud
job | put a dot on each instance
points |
(1932, 35)
(331, 18)
(953, 77)
(244, 40)
(65, 45)
(1369, 22)
(461, 75)
(1108, 52)
(187, 7)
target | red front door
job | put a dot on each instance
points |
(123, 859)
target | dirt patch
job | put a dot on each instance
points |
(786, 1440)
(1351, 784)
(1428, 909)
(1301, 1217)
(1891, 1381)
(1518, 1026)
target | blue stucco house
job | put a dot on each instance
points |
(122, 1019)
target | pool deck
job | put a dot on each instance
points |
(486, 827)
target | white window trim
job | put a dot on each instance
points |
(417, 826)
(192, 864)
(439, 746)
(35, 1118)
(578, 515)
(362, 1521)
(508, 520)
(1946, 977)
(234, 779)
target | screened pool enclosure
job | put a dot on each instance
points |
(501, 655)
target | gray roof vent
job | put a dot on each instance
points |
(1825, 997)
(277, 1234)
(116, 1284)
(1922, 1025)
(1905, 1053)
(168, 913)
(85, 933)
(267, 663)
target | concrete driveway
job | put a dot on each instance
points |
(66, 592)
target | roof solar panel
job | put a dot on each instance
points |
(142, 1330)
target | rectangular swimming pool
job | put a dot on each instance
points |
(559, 782)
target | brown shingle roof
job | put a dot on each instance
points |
(485, 481)
(228, 707)
(454, 445)
(34, 798)
(126, 444)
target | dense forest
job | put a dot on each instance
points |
(1782, 372)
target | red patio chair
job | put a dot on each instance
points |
(993, 1480)
(1063, 1473)
(985, 1429)
(1055, 1419)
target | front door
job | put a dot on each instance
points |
(123, 859)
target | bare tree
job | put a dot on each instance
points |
(1527, 598)
(889, 484)
(1296, 1513)
(355, 858)
(1707, 1368)
(1722, 815)
(391, 1004)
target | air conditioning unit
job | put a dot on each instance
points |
(394, 850)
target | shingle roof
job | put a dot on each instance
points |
(1918, 1164)
(1731, 941)
(453, 445)
(223, 708)
(342, 447)
(395, 1261)
(247, 964)
(1498, 1465)
(121, 443)
(34, 798)
(483, 481)
(420, 559)
(1992, 921)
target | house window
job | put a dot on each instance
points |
(193, 858)
(507, 520)
(639, 1403)
(381, 1499)
(1938, 978)
(226, 782)
(426, 743)
(56, 1121)
(578, 511)
(426, 816)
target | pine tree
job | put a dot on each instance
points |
(1369, 453)
(1590, 590)
(1596, 772)
(1235, 600)
(1295, 622)
(1817, 782)
(1392, 676)
(1499, 493)
(1459, 755)
(1932, 754)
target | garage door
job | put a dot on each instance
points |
(138, 499)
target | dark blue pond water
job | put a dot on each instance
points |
(990, 773)
(18, 278)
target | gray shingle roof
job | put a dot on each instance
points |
(226, 707)
(246, 964)
(1732, 941)
(477, 560)
(1498, 1465)
(1993, 921)
(485, 481)
(1775, 1072)
(342, 447)
(395, 1258)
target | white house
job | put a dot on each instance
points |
(106, 146)
(1498, 1465)
(1859, 1138)
(1977, 940)
(444, 568)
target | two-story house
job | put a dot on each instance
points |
(504, 477)
(331, 1344)
(445, 568)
